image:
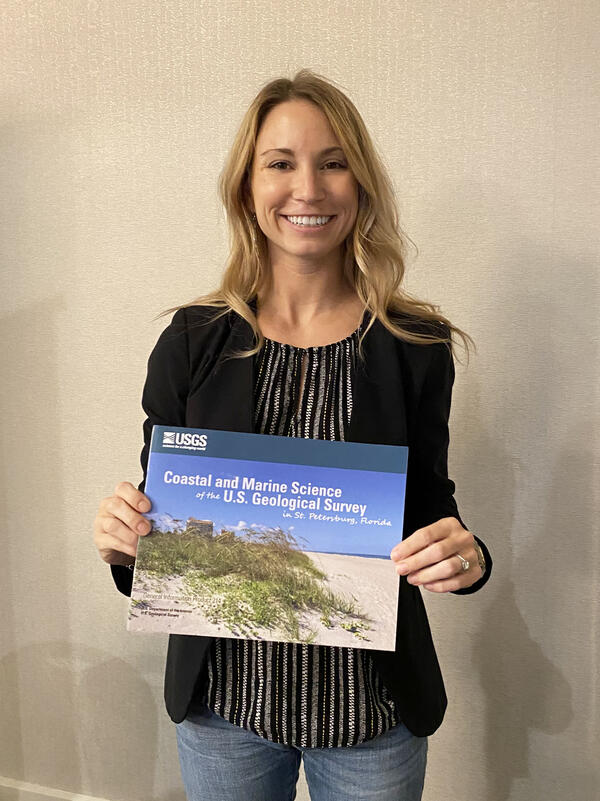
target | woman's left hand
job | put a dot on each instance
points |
(430, 557)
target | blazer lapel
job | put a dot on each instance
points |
(379, 406)
(224, 400)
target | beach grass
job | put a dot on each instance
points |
(249, 580)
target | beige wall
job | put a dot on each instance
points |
(114, 122)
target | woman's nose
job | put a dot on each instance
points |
(308, 185)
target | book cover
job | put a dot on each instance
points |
(268, 537)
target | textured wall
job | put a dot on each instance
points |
(114, 122)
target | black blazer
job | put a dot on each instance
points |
(401, 396)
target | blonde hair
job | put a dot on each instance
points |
(375, 251)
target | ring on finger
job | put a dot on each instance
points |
(464, 563)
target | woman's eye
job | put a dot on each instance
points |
(282, 165)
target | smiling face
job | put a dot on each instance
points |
(300, 171)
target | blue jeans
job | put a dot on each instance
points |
(223, 762)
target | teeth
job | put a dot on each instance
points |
(309, 220)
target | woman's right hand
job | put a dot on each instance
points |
(119, 524)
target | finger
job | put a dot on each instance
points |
(110, 534)
(420, 539)
(449, 585)
(133, 496)
(115, 506)
(462, 578)
(438, 553)
(445, 569)
(447, 540)
(458, 582)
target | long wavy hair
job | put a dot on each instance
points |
(375, 250)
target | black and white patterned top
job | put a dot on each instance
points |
(297, 694)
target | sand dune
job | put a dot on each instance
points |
(371, 583)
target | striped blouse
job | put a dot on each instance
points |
(298, 694)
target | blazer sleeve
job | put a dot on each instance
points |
(164, 401)
(432, 495)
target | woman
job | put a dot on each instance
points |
(311, 335)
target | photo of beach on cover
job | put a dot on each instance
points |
(268, 550)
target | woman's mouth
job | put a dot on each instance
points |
(309, 222)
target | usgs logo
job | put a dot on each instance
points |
(184, 439)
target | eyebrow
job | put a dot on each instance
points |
(291, 152)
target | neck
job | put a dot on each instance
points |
(299, 292)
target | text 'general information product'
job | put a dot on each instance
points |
(273, 538)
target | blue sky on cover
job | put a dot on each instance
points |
(383, 493)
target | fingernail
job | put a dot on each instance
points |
(143, 506)
(142, 527)
(402, 568)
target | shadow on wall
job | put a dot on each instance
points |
(62, 726)
(33, 602)
(542, 518)
(76, 736)
(523, 690)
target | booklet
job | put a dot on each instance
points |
(270, 538)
